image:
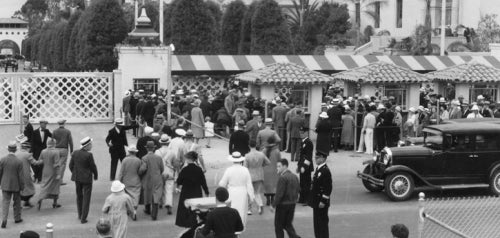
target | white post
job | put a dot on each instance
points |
(443, 22)
(49, 232)
(170, 50)
(161, 22)
(136, 6)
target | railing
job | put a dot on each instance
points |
(364, 49)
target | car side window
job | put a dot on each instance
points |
(462, 143)
(487, 142)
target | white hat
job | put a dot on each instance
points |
(475, 107)
(371, 104)
(118, 121)
(247, 94)
(127, 93)
(117, 186)
(86, 141)
(236, 157)
(398, 108)
(180, 132)
(455, 102)
(164, 139)
(323, 115)
(179, 92)
(268, 120)
(335, 100)
(480, 97)
(346, 107)
(412, 109)
(21, 138)
(380, 106)
(277, 99)
(350, 98)
(195, 96)
(255, 113)
(421, 108)
(132, 148)
(367, 97)
(155, 134)
(148, 130)
(153, 95)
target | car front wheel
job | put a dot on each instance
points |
(370, 186)
(495, 182)
(399, 186)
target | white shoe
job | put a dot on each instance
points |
(359, 151)
(249, 213)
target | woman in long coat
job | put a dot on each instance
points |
(118, 205)
(198, 121)
(190, 182)
(51, 174)
(324, 131)
(130, 175)
(238, 182)
(28, 160)
(270, 175)
(347, 138)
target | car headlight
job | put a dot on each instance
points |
(376, 155)
(387, 156)
(386, 159)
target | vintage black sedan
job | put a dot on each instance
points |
(452, 156)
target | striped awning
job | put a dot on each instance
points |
(242, 63)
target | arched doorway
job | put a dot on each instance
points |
(9, 47)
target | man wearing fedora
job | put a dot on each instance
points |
(39, 143)
(116, 141)
(167, 156)
(64, 141)
(83, 168)
(278, 114)
(130, 175)
(152, 181)
(11, 183)
(253, 127)
(27, 159)
(264, 135)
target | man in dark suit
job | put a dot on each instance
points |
(287, 193)
(223, 220)
(12, 183)
(116, 141)
(28, 128)
(278, 115)
(148, 111)
(320, 196)
(305, 165)
(293, 128)
(239, 140)
(254, 126)
(39, 143)
(83, 168)
(132, 113)
(335, 116)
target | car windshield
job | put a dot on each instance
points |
(433, 139)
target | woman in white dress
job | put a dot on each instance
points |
(238, 182)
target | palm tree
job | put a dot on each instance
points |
(300, 12)
(365, 4)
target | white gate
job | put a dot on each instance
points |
(76, 97)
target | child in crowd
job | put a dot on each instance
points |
(209, 126)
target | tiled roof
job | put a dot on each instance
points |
(468, 72)
(12, 21)
(284, 73)
(381, 72)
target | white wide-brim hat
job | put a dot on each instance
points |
(323, 115)
(117, 186)
(132, 148)
(86, 141)
(180, 132)
(236, 157)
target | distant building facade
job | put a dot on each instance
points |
(12, 33)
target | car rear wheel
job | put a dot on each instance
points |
(370, 186)
(399, 186)
(495, 182)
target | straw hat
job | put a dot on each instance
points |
(165, 139)
(475, 108)
(148, 130)
(236, 157)
(180, 132)
(85, 141)
(380, 107)
(21, 138)
(132, 148)
(255, 113)
(268, 121)
(118, 121)
(412, 109)
(323, 115)
(117, 186)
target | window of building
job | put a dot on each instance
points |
(399, 13)
(377, 15)
(437, 12)
(489, 92)
(399, 92)
(358, 13)
(294, 94)
(148, 85)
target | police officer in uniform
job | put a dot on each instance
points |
(321, 188)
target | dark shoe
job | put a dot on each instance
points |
(169, 210)
(147, 212)
(84, 221)
(39, 205)
(154, 218)
(56, 205)
(28, 205)
(134, 216)
(18, 221)
(160, 206)
(62, 184)
(4, 224)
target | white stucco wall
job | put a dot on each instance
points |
(14, 34)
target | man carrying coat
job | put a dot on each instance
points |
(83, 168)
(116, 141)
(320, 196)
(12, 183)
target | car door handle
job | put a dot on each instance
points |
(472, 156)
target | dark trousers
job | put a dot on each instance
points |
(282, 134)
(153, 210)
(320, 219)
(26, 198)
(37, 170)
(336, 139)
(295, 148)
(305, 186)
(114, 163)
(16, 198)
(283, 219)
(83, 194)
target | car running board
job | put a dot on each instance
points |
(458, 186)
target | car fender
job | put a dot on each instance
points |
(369, 162)
(402, 168)
(494, 167)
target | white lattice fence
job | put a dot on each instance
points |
(189, 83)
(6, 99)
(76, 97)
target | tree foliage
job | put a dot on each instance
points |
(246, 29)
(270, 33)
(193, 28)
(232, 26)
(488, 31)
(34, 12)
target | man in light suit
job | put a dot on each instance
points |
(12, 183)
(39, 143)
(455, 112)
(264, 135)
(126, 107)
(279, 113)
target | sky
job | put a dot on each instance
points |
(8, 7)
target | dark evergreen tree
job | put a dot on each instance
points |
(106, 28)
(216, 12)
(77, 35)
(270, 33)
(193, 28)
(231, 27)
(67, 37)
(57, 46)
(246, 29)
(333, 22)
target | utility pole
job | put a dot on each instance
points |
(443, 22)
(161, 22)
